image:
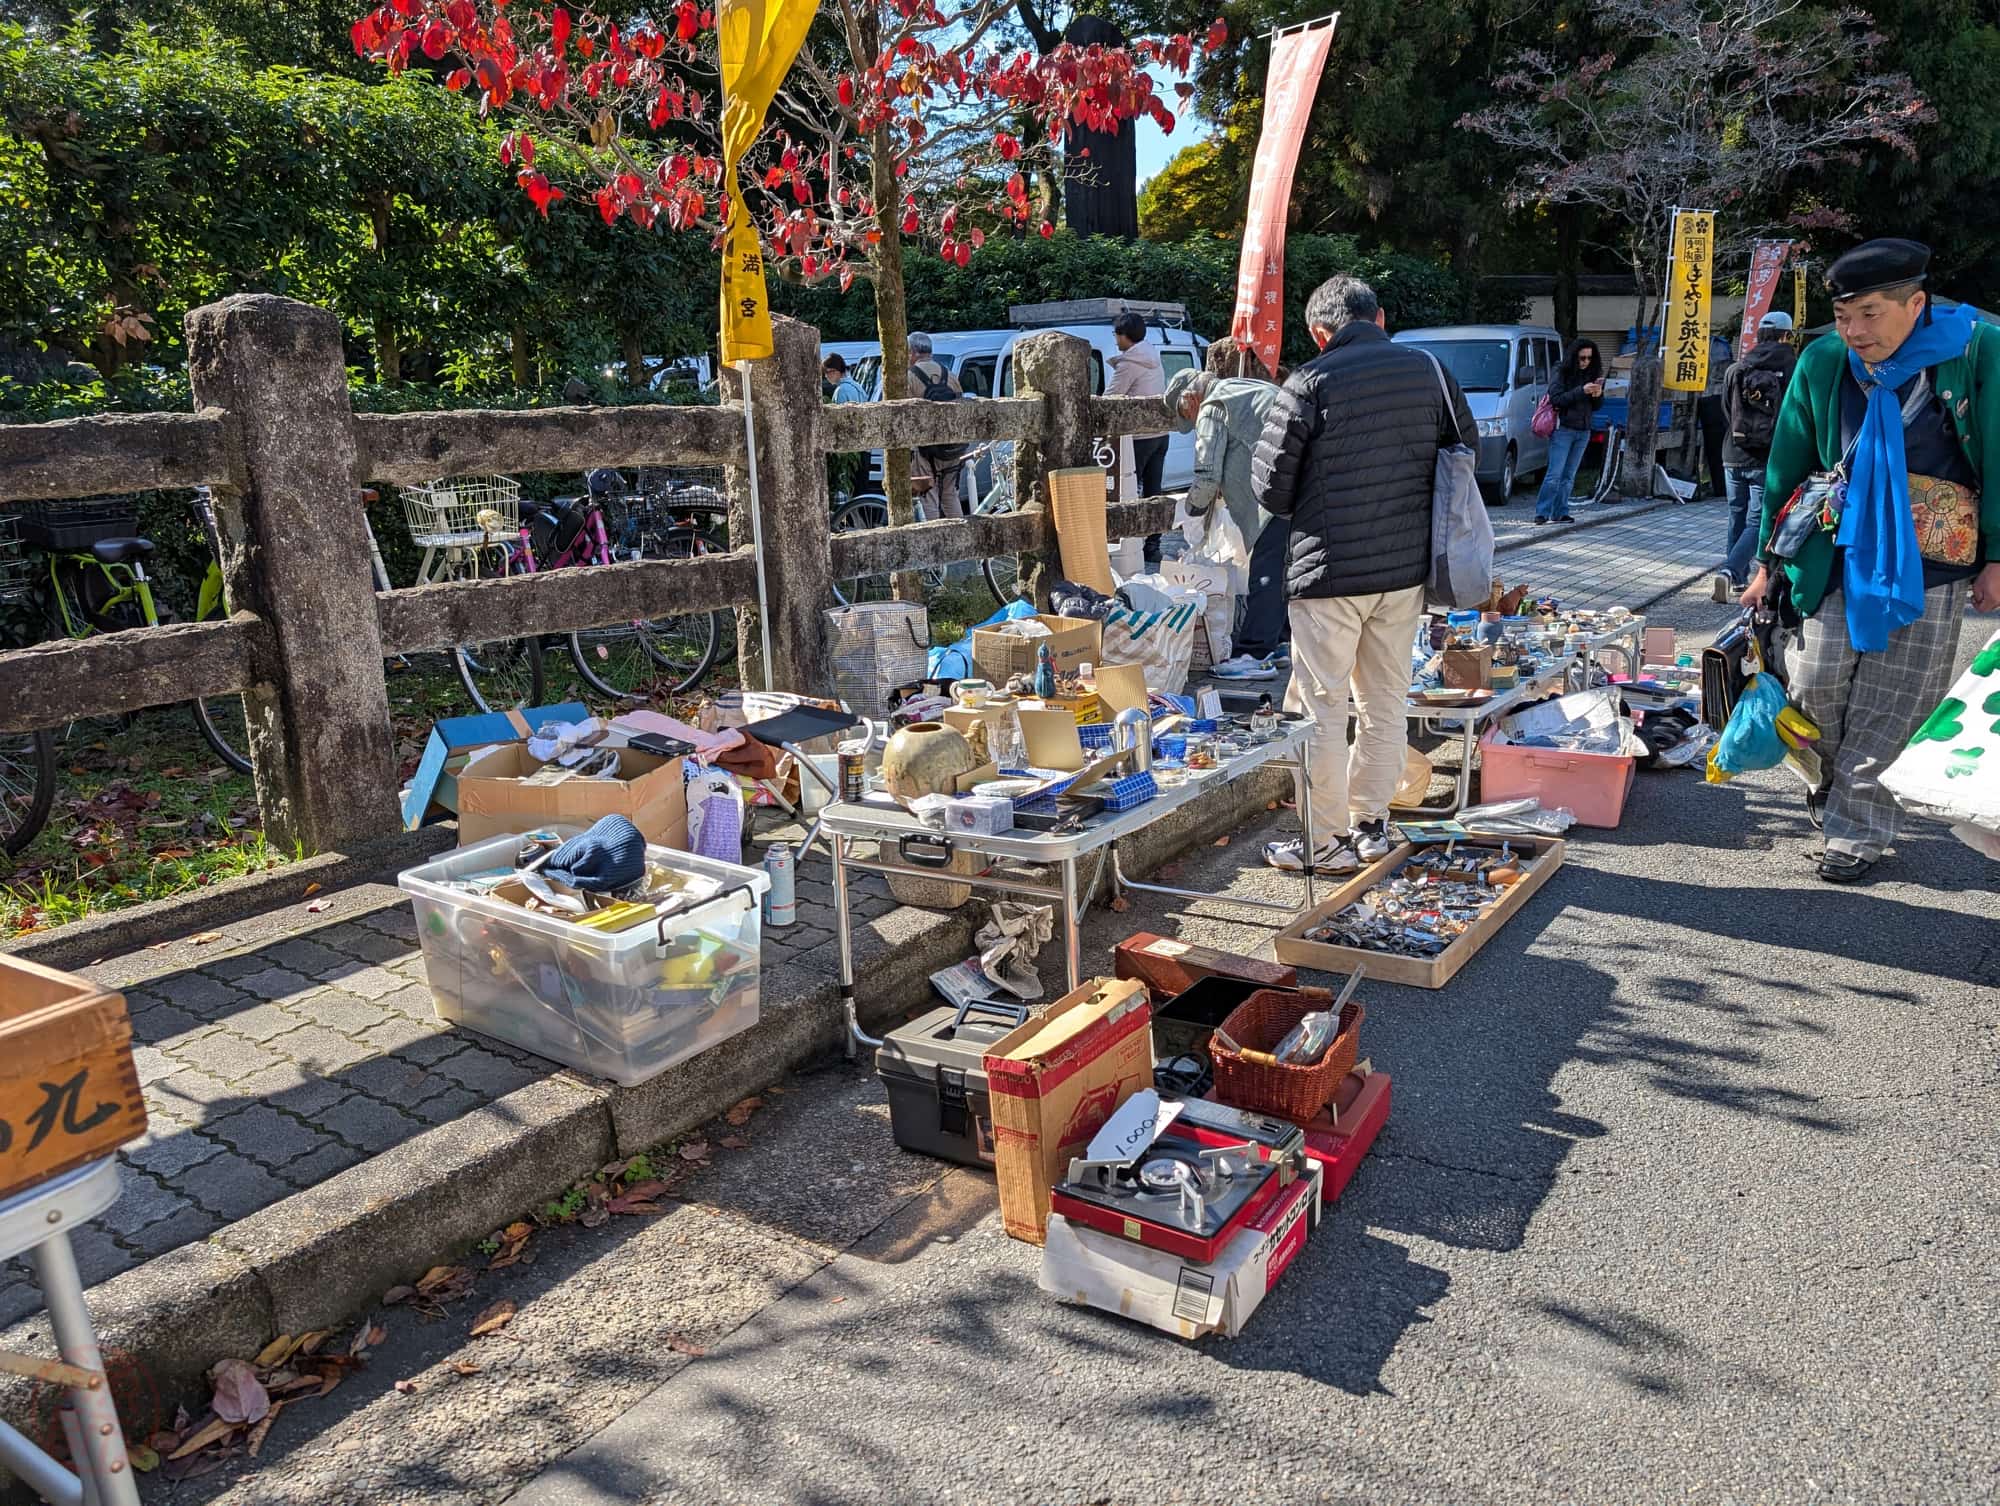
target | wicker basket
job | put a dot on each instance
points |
(1291, 1092)
(471, 510)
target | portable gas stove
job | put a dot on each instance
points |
(1206, 1175)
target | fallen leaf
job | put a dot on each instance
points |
(441, 1277)
(145, 1459)
(464, 1367)
(836, 1299)
(328, 1380)
(397, 1294)
(239, 1395)
(507, 1257)
(194, 1469)
(311, 1342)
(164, 1442)
(495, 1318)
(173, 852)
(733, 1142)
(594, 1217)
(686, 1346)
(204, 938)
(212, 1431)
(276, 1352)
(515, 1233)
(407, 1387)
(263, 1429)
(1222, 841)
(1270, 805)
(311, 890)
(1120, 903)
(740, 1114)
(318, 905)
(695, 1150)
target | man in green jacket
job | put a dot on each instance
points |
(1905, 401)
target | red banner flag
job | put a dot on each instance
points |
(1297, 60)
(1767, 261)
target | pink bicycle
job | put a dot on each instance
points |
(626, 660)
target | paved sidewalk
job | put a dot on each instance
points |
(1624, 563)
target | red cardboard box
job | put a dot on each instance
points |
(1169, 966)
(1340, 1144)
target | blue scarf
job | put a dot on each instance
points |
(1884, 574)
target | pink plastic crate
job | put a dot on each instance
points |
(1593, 785)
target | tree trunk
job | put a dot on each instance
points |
(1569, 247)
(1642, 410)
(1101, 174)
(523, 352)
(635, 358)
(388, 354)
(892, 329)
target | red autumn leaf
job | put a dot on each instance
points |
(845, 89)
(1008, 147)
(685, 23)
(461, 14)
(457, 79)
(540, 191)
(846, 278)
(963, 255)
(366, 35)
(948, 252)
(1218, 35)
(978, 239)
(910, 223)
(437, 40)
(559, 25)
(1048, 229)
(607, 205)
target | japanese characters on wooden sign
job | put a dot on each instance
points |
(69, 1092)
(1687, 320)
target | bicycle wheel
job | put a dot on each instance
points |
(502, 674)
(27, 786)
(873, 512)
(687, 647)
(223, 728)
(631, 661)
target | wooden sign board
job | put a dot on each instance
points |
(69, 1093)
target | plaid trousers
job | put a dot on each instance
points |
(1868, 705)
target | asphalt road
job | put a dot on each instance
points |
(1690, 1193)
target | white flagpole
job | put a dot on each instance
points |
(756, 522)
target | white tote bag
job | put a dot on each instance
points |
(1461, 573)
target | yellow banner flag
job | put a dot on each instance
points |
(1798, 301)
(1687, 300)
(759, 40)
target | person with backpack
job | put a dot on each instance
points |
(1752, 394)
(1574, 396)
(945, 463)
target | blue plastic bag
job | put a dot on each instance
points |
(954, 660)
(1750, 740)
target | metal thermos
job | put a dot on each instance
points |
(781, 907)
(1132, 728)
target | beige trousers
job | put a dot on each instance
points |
(1358, 645)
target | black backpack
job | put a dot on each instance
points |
(1753, 412)
(941, 457)
(939, 391)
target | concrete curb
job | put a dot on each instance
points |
(116, 932)
(321, 1256)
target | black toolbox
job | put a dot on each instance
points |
(934, 1071)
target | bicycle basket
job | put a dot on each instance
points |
(62, 526)
(467, 510)
(17, 571)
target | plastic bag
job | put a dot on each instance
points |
(1526, 816)
(1951, 768)
(1750, 740)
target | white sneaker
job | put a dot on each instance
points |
(1370, 841)
(1290, 855)
(1719, 586)
(1243, 667)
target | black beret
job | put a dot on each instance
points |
(1874, 265)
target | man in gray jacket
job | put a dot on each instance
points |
(1227, 416)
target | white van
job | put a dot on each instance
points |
(982, 359)
(1503, 369)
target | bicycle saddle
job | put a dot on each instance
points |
(119, 551)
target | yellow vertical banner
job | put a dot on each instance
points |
(759, 39)
(1799, 300)
(1687, 300)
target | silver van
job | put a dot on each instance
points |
(1503, 369)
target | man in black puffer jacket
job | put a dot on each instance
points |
(1348, 456)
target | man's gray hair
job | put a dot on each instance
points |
(1341, 300)
(920, 344)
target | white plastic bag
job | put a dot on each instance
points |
(1951, 769)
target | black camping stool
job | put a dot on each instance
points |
(787, 732)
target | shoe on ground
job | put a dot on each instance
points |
(1280, 657)
(1370, 841)
(1718, 587)
(1243, 667)
(1290, 856)
(1540, 520)
(1844, 867)
(1816, 809)
(1567, 518)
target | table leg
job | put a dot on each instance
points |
(37, 1470)
(1306, 819)
(843, 929)
(1465, 767)
(102, 1458)
(1072, 928)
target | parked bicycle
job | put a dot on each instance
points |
(986, 483)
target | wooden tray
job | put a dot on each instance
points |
(69, 1093)
(1418, 972)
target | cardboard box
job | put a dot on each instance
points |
(69, 1093)
(1466, 668)
(1177, 1296)
(494, 797)
(1073, 642)
(1054, 1082)
(1169, 966)
(455, 741)
(1419, 972)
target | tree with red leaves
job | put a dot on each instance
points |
(900, 119)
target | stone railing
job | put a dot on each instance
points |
(276, 437)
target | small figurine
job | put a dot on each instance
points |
(1045, 673)
(1264, 720)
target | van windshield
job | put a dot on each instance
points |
(1479, 365)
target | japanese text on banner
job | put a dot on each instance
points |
(1767, 265)
(1687, 300)
(1297, 60)
(759, 39)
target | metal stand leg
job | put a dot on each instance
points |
(1305, 785)
(1471, 725)
(843, 929)
(1072, 930)
(101, 1458)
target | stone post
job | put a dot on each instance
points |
(1055, 368)
(295, 553)
(791, 482)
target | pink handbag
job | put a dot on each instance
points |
(1544, 422)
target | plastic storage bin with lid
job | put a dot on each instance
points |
(624, 1005)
